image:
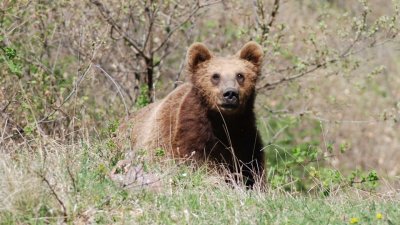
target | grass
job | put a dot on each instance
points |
(60, 183)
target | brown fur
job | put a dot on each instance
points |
(191, 122)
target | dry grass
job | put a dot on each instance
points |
(61, 183)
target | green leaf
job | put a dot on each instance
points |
(10, 53)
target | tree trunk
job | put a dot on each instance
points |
(149, 79)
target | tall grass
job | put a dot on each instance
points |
(70, 183)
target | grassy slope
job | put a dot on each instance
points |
(78, 177)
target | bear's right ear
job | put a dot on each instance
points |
(197, 54)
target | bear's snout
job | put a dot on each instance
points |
(231, 98)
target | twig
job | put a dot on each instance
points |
(6, 106)
(272, 85)
(116, 85)
(345, 54)
(71, 176)
(257, 6)
(151, 15)
(191, 14)
(107, 16)
(69, 95)
(358, 32)
(265, 27)
(4, 131)
(273, 15)
(310, 115)
(20, 130)
(178, 75)
(54, 193)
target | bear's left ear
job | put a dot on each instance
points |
(251, 52)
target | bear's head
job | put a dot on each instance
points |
(225, 84)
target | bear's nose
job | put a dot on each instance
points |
(231, 96)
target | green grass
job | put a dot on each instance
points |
(234, 207)
(78, 177)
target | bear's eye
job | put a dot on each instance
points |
(215, 78)
(240, 77)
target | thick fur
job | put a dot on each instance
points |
(190, 121)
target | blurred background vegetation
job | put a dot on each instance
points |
(328, 100)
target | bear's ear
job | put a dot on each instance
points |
(252, 52)
(197, 54)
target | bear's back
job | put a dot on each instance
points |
(154, 125)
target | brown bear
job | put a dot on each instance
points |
(211, 117)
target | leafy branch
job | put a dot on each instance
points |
(361, 33)
(145, 48)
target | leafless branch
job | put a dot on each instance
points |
(11, 122)
(196, 8)
(6, 106)
(75, 88)
(165, 53)
(4, 131)
(107, 16)
(261, 20)
(273, 15)
(116, 85)
(257, 5)
(56, 196)
(347, 52)
(274, 84)
(151, 16)
(178, 75)
(71, 176)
